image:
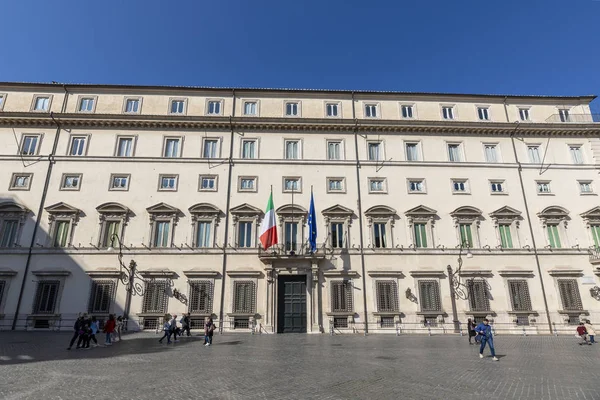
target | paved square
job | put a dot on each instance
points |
(37, 365)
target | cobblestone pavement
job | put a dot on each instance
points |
(37, 365)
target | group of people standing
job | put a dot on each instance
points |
(171, 329)
(586, 332)
(87, 327)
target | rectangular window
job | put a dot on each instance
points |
(203, 234)
(448, 112)
(41, 103)
(576, 154)
(292, 149)
(332, 109)
(119, 182)
(491, 154)
(155, 297)
(379, 236)
(564, 115)
(210, 148)
(519, 295)
(335, 184)
(543, 187)
(208, 183)
(454, 153)
(341, 296)
(596, 235)
(250, 108)
(201, 295)
(214, 108)
(387, 296)
(337, 235)
(21, 181)
(553, 236)
(534, 154)
(416, 186)
(71, 182)
(524, 114)
(371, 110)
(111, 229)
(569, 294)
(86, 104)
(483, 113)
(101, 297)
(45, 297)
(132, 106)
(412, 152)
(244, 297)
(376, 186)
(466, 238)
(497, 186)
(459, 186)
(78, 145)
(429, 295)
(478, 295)
(29, 145)
(585, 187)
(125, 147)
(245, 234)
(291, 109)
(334, 150)
(161, 234)
(420, 232)
(505, 236)
(177, 106)
(8, 233)
(407, 111)
(374, 149)
(171, 147)
(249, 148)
(61, 234)
(247, 184)
(2, 101)
(167, 182)
(291, 236)
(291, 185)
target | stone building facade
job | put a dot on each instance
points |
(430, 208)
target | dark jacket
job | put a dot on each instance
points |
(78, 324)
(484, 330)
(209, 328)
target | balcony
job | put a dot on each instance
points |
(280, 252)
(573, 118)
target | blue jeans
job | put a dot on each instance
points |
(591, 338)
(207, 339)
(107, 337)
(488, 341)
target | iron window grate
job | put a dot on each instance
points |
(201, 297)
(45, 297)
(101, 296)
(341, 296)
(569, 294)
(479, 299)
(387, 322)
(522, 320)
(241, 323)
(150, 323)
(340, 322)
(429, 293)
(519, 295)
(244, 297)
(387, 296)
(155, 297)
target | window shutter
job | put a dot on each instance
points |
(101, 297)
(341, 296)
(387, 296)
(569, 294)
(155, 297)
(429, 293)
(244, 300)
(45, 297)
(201, 297)
(478, 296)
(519, 295)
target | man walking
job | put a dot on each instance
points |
(185, 324)
(77, 327)
(485, 331)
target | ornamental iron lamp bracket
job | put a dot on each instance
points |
(180, 296)
(595, 292)
(130, 277)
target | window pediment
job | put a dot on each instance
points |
(164, 209)
(589, 215)
(467, 214)
(337, 211)
(113, 208)
(553, 213)
(506, 212)
(380, 212)
(10, 209)
(421, 211)
(291, 209)
(205, 209)
(245, 210)
(62, 208)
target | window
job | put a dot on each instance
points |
(244, 297)
(491, 153)
(379, 235)
(505, 236)
(111, 229)
(2, 101)
(341, 296)
(214, 107)
(86, 104)
(375, 151)
(46, 296)
(155, 297)
(78, 145)
(292, 185)
(519, 295)
(291, 109)
(332, 109)
(447, 112)
(543, 187)
(132, 106)
(335, 184)
(172, 147)
(585, 187)
(524, 114)
(534, 154)
(371, 110)
(334, 150)
(478, 295)
(119, 182)
(416, 186)
(429, 296)
(483, 113)
(387, 296)
(337, 235)
(41, 103)
(249, 148)
(9, 229)
(569, 294)
(376, 185)
(125, 146)
(247, 184)
(101, 296)
(576, 154)
(208, 183)
(71, 182)
(292, 149)
(407, 111)
(420, 232)
(210, 148)
(454, 153)
(161, 234)
(61, 234)
(245, 234)
(412, 152)
(595, 234)
(178, 106)
(167, 182)
(203, 234)
(251, 108)
(564, 115)
(497, 186)
(29, 144)
(21, 181)
(201, 297)
(553, 236)
(460, 186)
(466, 238)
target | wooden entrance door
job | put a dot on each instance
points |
(291, 304)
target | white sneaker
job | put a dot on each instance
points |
(495, 358)
(480, 355)
(205, 344)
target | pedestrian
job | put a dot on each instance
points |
(84, 333)
(76, 328)
(590, 331)
(209, 328)
(166, 329)
(119, 327)
(582, 333)
(95, 327)
(471, 330)
(185, 324)
(174, 328)
(485, 331)
(109, 328)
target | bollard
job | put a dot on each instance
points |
(428, 328)
(524, 333)
(397, 329)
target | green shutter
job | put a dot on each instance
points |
(505, 236)
(465, 235)
(60, 238)
(553, 237)
(596, 234)
(420, 235)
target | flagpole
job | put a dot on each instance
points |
(292, 252)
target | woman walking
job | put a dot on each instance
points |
(119, 327)
(209, 328)
(95, 326)
(109, 328)
(471, 330)
(166, 329)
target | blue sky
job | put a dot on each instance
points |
(468, 46)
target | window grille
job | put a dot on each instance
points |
(429, 293)
(479, 299)
(101, 297)
(569, 294)
(430, 321)
(45, 297)
(201, 297)
(150, 323)
(244, 297)
(241, 323)
(155, 297)
(387, 296)
(519, 295)
(387, 322)
(341, 296)
(522, 320)
(340, 322)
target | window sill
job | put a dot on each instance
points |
(340, 313)
(489, 312)
(414, 192)
(588, 194)
(431, 313)
(545, 194)
(244, 315)
(574, 312)
(461, 193)
(387, 313)
(499, 193)
(152, 315)
(522, 312)
(370, 192)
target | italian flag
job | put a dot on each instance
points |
(268, 228)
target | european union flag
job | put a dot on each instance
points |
(312, 225)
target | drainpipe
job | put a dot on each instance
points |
(227, 207)
(535, 250)
(38, 219)
(360, 217)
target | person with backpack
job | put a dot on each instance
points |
(77, 327)
(166, 329)
(209, 328)
(484, 330)
(185, 324)
(109, 328)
